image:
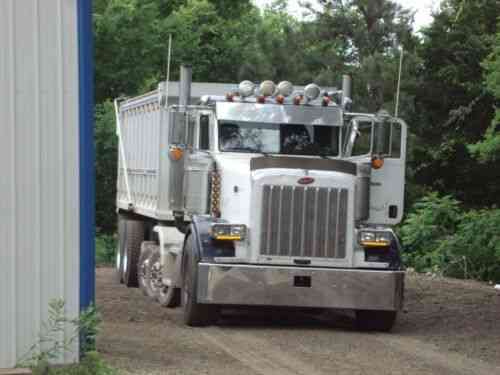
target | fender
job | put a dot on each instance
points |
(205, 248)
(395, 250)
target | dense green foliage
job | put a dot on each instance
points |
(454, 107)
(106, 144)
(440, 237)
(105, 249)
(451, 83)
(489, 148)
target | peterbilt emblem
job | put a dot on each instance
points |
(306, 180)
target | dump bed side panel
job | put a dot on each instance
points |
(141, 123)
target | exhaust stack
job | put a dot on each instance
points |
(185, 85)
(346, 92)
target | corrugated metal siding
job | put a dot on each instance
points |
(39, 185)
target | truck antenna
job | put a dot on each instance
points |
(396, 110)
(169, 58)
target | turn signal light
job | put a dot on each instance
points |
(228, 232)
(377, 162)
(176, 153)
(280, 99)
(370, 239)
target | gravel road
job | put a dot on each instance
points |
(449, 327)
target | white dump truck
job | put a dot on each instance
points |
(266, 196)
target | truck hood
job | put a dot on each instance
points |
(241, 187)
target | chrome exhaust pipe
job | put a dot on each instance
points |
(185, 85)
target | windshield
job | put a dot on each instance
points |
(288, 139)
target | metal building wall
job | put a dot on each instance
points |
(39, 166)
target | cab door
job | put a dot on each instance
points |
(385, 138)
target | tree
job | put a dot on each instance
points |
(106, 148)
(129, 48)
(214, 45)
(488, 150)
(453, 107)
(366, 36)
(232, 10)
(365, 27)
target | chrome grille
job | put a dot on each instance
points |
(302, 221)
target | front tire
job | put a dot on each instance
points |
(195, 314)
(375, 320)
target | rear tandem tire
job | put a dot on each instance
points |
(132, 251)
(195, 314)
(122, 233)
(375, 320)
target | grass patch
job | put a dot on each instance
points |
(105, 249)
(91, 364)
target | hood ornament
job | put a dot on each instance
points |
(306, 180)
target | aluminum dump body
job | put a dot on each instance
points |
(139, 128)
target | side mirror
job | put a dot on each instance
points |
(360, 137)
(382, 138)
(177, 123)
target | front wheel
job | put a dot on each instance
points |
(144, 267)
(195, 314)
(375, 320)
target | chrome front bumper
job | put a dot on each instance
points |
(300, 287)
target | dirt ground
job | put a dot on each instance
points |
(448, 327)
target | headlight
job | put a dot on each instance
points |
(368, 238)
(228, 232)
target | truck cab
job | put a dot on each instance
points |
(278, 197)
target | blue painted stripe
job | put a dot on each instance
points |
(87, 154)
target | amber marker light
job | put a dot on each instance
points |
(176, 153)
(280, 99)
(374, 239)
(377, 162)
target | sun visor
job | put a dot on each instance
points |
(279, 114)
